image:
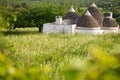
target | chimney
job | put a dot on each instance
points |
(111, 14)
(58, 20)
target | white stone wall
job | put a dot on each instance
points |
(58, 28)
(89, 31)
(96, 30)
(99, 31)
(70, 29)
(106, 31)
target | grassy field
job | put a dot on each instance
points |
(36, 56)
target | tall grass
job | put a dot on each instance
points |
(62, 56)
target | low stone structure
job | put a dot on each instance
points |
(59, 26)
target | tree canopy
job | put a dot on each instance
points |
(31, 13)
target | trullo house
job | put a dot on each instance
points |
(91, 22)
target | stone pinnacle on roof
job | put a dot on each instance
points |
(93, 5)
(87, 13)
(72, 9)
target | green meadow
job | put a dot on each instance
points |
(27, 54)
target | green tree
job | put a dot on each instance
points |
(37, 16)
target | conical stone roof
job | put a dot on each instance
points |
(87, 21)
(71, 15)
(109, 22)
(95, 12)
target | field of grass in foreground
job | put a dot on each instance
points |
(35, 56)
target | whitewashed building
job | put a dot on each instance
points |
(59, 26)
(91, 22)
(65, 25)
